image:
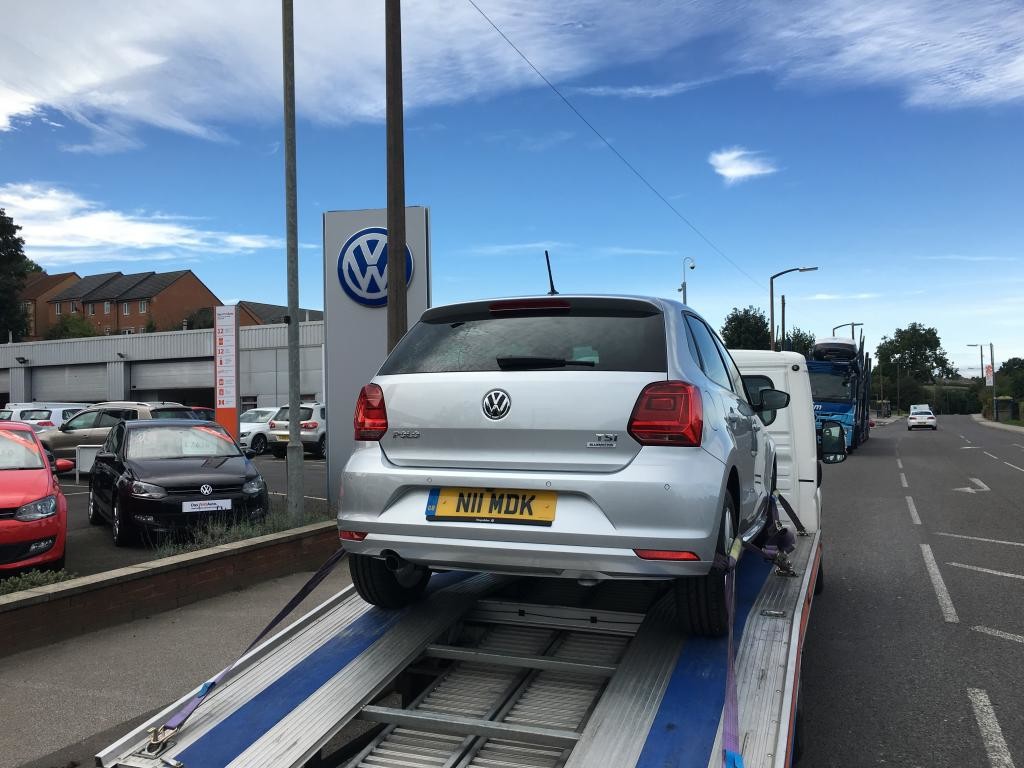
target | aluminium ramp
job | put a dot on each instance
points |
(509, 673)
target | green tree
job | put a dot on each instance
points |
(201, 318)
(14, 270)
(71, 327)
(1010, 377)
(798, 340)
(746, 329)
(150, 327)
(918, 352)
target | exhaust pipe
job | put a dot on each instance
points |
(393, 562)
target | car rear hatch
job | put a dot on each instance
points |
(532, 384)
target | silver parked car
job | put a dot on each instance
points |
(581, 437)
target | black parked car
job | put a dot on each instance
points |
(163, 476)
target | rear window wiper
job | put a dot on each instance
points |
(506, 363)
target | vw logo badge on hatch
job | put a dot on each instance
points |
(363, 267)
(496, 404)
(206, 490)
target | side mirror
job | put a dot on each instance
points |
(769, 401)
(64, 428)
(104, 456)
(833, 442)
(64, 465)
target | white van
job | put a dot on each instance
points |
(47, 415)
(796, 444)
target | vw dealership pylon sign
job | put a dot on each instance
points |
(363, 267)
(355, 322)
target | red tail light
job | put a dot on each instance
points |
(664, 554)
(273, 425)
(371, 417)
(308, 425)
(46, 424)
(668, 413)
(351, 535)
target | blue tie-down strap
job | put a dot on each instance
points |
(733, 759)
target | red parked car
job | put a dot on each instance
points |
(33, 510)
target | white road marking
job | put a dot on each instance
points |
(991, 733)
(913, 511)
(899, 463)
(314, 498)
(970, 447)
(903, 480)
(1000, 633)
(966, 440)
(77, 493)
(978, 538)
(945, 601)
(991, 455)
(979, 569)
(1017, 445)
(982, 488)
(1014, 466)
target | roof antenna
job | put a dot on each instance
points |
(551, 280)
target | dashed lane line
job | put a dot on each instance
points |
(899, 463)
(991, 455)
(978, 538)
(903, 480)
(979, 569)
(1000, 633)
(945, 601)
(1017, 445)
(991, 734)
(1014, 466)
(913, 510)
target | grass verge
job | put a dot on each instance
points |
(214, 532)
(32, 579)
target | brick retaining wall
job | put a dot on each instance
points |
(43, 615)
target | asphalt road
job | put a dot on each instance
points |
(915, 651)
(90, 548)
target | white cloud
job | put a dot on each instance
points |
(60, 227)
(204, 67)
(502, 249)
(641, 91)
(736, 164)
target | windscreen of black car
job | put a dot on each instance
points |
(179, 442)
(591, 340)
(19, 450)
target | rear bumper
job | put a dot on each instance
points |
(666, 499)
(310, 440)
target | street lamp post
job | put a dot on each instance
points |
(992, 362)
(693, 265)
(771, 299)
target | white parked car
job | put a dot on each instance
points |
(44, 415)
(312, 426)
(921, 420)
(254, 427)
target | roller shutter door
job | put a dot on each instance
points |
(5, 381)
(69, 383)
(181, 374)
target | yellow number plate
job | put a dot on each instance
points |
(492, 505)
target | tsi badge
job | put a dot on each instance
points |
(363, 267)
(604, 440)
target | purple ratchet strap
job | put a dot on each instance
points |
(178, 718)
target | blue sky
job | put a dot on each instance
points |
(880, 140)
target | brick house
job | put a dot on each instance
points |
(258, 313)
(116, 303)
(39, 288)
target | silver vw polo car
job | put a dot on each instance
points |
(582, 437)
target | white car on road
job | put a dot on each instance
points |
(254, 428)
(921, 420)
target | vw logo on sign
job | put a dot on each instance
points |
(206, 490)
(363, 267)
(496, 404)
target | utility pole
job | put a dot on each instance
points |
(294, 450)
(398, 320)
(992, 362)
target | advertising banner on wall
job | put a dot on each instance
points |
(355, 314)
(225, 367)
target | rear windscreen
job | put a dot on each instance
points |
(305, 414)
(40, 415)
(577, 341)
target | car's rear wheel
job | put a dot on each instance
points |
(321, 447)
(259, 444)
(93, 514)
(379, 586)
(700, 600)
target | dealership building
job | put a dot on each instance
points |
(175, 366)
